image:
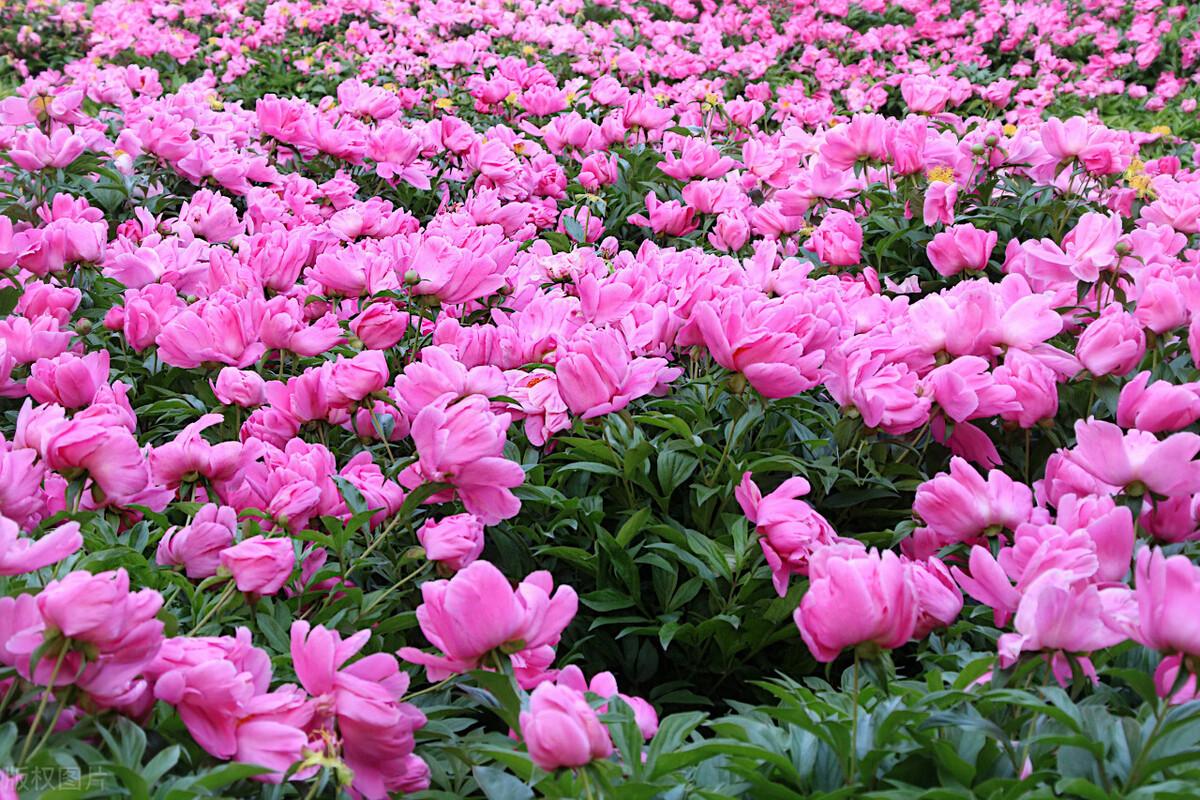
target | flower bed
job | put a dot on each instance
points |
(599, 399)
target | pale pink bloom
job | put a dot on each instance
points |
(697, 159)
(457, 274)
(965, 389)
(605, 685)
(861, 139)
(361, 702)
(961, 506)
(666, 219)
(240, 387)
(940, 197)
(1035, 386)
(1058, 614)
(544, 411)
(838, 239)
(1110, 526)
(22, 498)
(1086, 251)
(211, 216)
(1161, 306)
(354, 379)
(1174, 519)
(96, 443)
(924, 94)
(883, 391)
(776, 345)
(437, 374)
(32, 150)
(119, 628)
(1166, 679)
(220, 329)
(1167, 589)
(380, 326)
(190, 458)
(938, 598)
(1112, 344)
(1064, 140)
(999, 582)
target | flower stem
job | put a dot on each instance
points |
(226, 593)
(62, 704)
(379, 430)
(37, 715)
(393, 522)
(587, 784)
(393, 588)
(1138, 762)
(8, 696)
(316, 784)
(428, 689)
(853, 776)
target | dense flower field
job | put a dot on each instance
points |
(599, 398)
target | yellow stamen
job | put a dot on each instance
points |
(940, 175)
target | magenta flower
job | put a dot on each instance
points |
(789, 529)
(477, 613)
(259, 565)
(462, 445)
(597, 375)
(562, 730)
(856, 597)
(1136, 461)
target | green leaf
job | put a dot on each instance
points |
(496, 784)
(633, 525)
(606, 600)
(227, 774)
(501, 694)
(673, 731)
(9, 297)
(674, 468)
(589, 466)
(351, 494)
(134, 783)
(1078, 787)
(573, 228)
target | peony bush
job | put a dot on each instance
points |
(599, 398)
